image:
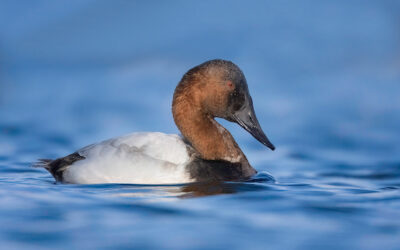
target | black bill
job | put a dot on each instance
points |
(246, 118)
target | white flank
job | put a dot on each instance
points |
(139, 158)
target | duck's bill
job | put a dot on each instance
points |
(247, 119)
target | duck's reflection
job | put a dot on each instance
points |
(208, 188)
(173, 192)
(196, 189)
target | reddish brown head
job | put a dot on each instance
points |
(216, 88)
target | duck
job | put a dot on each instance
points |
(204, 151)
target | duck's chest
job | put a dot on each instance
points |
(218, 170)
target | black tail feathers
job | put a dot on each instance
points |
(42, 163)
(58, 166)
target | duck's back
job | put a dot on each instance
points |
(140, 158)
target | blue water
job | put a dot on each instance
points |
(325, 81)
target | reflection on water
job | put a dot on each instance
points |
(214, 188)
(172, 192)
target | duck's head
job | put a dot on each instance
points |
(218, 88)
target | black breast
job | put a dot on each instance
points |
(208, 170)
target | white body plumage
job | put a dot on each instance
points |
(140, 158)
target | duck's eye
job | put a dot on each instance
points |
(229, 84)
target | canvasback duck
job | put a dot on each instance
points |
(206, 151)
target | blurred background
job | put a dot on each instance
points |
(324, 76)
(87, 70)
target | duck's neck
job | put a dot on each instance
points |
(210, 139)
